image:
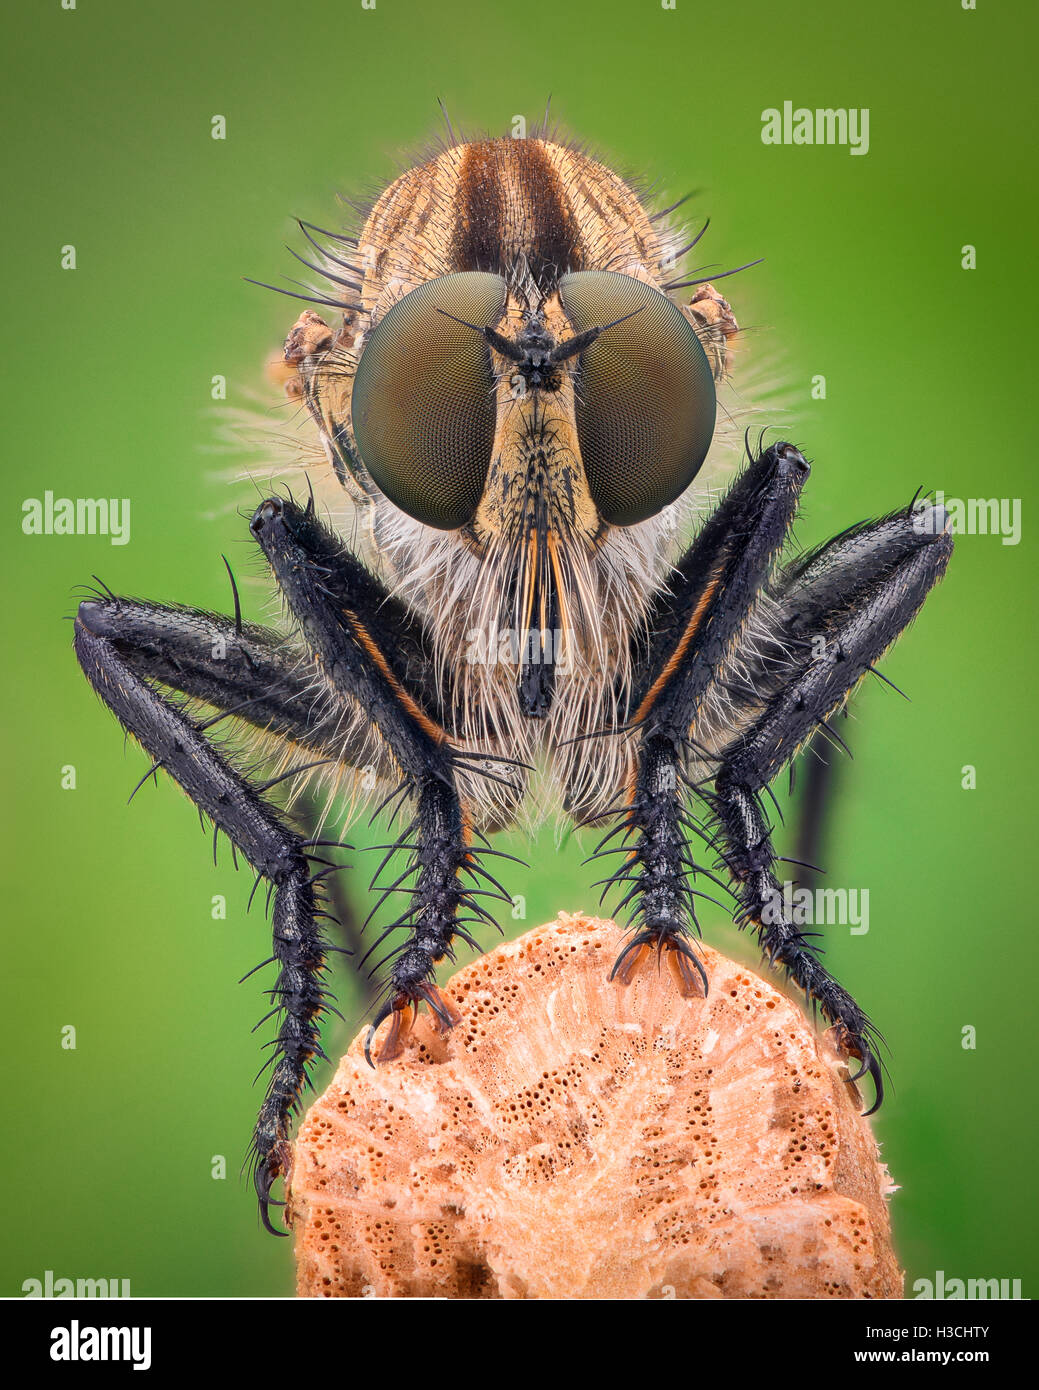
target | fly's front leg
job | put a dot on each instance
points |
(658, 867)
(692, 631)
(374, 650)
(838, 614)
(115, 640)
(240, 669)
(441, 852)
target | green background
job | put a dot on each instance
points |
(107, 375)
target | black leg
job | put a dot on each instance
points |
(277, 853)
(842, 610)
(697, 622)
(658, 868)
(694, 629)
(730, 645)
(244, 671)
(372, 649)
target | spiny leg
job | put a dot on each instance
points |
(814, 585)
(440, 854)
(177, 743)
(247, 673)
(658, 867)
(242, 670)
(692, 632)
(855, 596)
(372, 649)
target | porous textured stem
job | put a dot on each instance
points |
(576, 1138)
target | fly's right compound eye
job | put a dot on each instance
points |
(423, 403)
(645, 400)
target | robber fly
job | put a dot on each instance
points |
(515, 390)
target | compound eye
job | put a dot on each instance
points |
(423, 403)
(645, 400)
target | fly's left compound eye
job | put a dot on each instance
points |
(423, 405)
(645, 401)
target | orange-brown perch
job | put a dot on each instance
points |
(572, 1138)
